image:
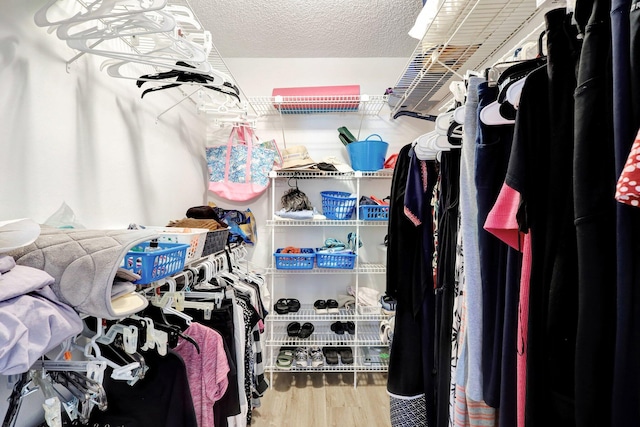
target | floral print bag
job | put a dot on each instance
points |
(239, 170)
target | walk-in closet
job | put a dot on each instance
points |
(402, 213)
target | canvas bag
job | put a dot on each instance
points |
(239, 170)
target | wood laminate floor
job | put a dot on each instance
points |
(303, 399)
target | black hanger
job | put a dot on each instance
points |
(415, 115)
(172, 329)
(186, 77)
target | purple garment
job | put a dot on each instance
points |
(32, 319)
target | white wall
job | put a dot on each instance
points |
(89, 140)
(86, 138)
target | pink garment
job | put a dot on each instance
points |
(207, 371)
(502, 223)
(628, 187)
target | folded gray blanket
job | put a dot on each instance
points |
(84, 264)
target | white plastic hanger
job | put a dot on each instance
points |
(443, 121)
(422, 149)
(132, 70)
(490, 115)
(514, 91)
(459, 90)
(121, 26)
(458, 115)
(99, 9)
(165, 55)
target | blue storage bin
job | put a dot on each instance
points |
(335, 260)
(338, 204)
(168, 259)
(374, 213)
(295, 261)
(368, 155)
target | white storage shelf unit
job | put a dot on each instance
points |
(323, 283)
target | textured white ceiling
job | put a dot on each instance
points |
(309, 28)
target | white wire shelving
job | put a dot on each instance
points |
(363, 268)
(464, 35)
(369, 105)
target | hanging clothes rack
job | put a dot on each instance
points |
(141, 38)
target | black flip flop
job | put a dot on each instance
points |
(281, 306)
(293, 305)
(346, 356)
(330, 355)
(306, 330)
(294, 329)
(338, 328)
(350, 327)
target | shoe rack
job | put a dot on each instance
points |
(311, 285)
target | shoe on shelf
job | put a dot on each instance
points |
(332, 306)
(317, 358)
(302, 357)
(320, 306)
(350, 327)
(293, 329)
(338, 328)
(293, 305)
(281, 306)
(330, 355)
(346, 355)
(388, 305)
(284, 359)
(306, 330)
(286, 306)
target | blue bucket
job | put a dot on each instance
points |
(368, 155)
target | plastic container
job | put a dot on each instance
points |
(165, 260)
(215, 241)
(368, 155)
(194, 237)
(335, 260)
(373, 213)
(338, 204)
(293, 261)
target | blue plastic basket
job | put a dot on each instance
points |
(338, 204)
(292, 261)
(155, 265)
(333, 260)
(374, 213)
(368, 155)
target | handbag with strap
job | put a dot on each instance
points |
(239, 170)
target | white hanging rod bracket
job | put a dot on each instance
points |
(176, 104)
(72, 60)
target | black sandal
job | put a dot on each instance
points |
(350, 327)
(281, 306)
(293, 329)
(346, 356)
(306, 330)
(338, 328)
(330, 355)
(293, 305)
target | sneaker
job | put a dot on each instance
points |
(302, 357)
(388, 305)
(317, 358)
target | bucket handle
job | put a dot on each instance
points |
(374, 134)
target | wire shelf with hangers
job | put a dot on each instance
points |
(462, 35)
(139, 39)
